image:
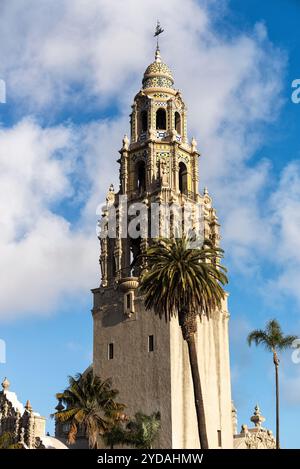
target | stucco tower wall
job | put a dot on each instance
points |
(142, 377)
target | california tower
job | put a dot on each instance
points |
(145, 356)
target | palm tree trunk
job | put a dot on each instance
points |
(277, 404)
(199, 404)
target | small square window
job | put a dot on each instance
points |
(151, 343)
(110, 351)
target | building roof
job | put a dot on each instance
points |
(52, 443)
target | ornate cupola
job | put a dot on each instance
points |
(158, 111)
(157, 165)
(158, 74)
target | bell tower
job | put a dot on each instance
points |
(146, 357)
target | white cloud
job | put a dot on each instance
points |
(285, 212)
(231, 84)
(42, 258)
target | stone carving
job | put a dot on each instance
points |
(125, 142)
(260, 440)
(110, 197)
(194, 145)
(26, 426)
(163, 169)
(257, 437)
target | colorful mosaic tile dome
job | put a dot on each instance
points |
(158, 74)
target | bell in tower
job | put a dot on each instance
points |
(158, 169)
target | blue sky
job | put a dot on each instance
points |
(72, 69)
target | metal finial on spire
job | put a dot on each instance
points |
(158, 31)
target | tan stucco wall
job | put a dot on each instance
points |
(143, 378)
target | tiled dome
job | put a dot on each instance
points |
(158, 74)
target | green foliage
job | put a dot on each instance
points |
(272, 337)
(143, 430)
(181, 278)
(140, 432)
(116, 435)
(89, 405)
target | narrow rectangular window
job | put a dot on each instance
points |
(150, 343)
(128, 300)
(219, 438)
(110, 351)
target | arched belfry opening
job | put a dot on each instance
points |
(161, 119)
(183, 185)
(144, 121)
(177, 122)
(140, 174)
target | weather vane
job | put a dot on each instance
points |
(158, 31)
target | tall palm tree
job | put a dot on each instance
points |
(90, 406)
(273, 340)
(185, 282)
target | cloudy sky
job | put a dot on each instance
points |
(72, 68)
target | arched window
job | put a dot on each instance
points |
(161, 119)
(135, 251)
(177, 122)
(182, 178)
(140, 171)
(144, 121)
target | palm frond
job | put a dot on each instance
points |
(179, 278)
(89, 405)
(271, 337)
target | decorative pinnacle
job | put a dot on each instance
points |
(5, 384)
(257, 418)
(194, 144)
(125, 142)
(28, 406)
(157, 55)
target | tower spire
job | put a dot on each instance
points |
(157, 54)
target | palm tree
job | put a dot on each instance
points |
(143, 430)
(273, 340)
(140, 432)
(184, 282)
(115, 436)
(90, 405)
